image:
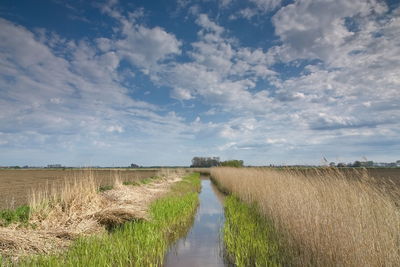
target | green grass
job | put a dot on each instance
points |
(142, 181)
(142, 243)
(105, 188)
(250, 240)
(19, 215)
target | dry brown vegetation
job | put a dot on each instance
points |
(325, 216)
(77, 208)
(16, 185)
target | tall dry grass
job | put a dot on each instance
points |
(63, 211)
(74, 204)
(325, 217)
(80, 188)
(68, 205)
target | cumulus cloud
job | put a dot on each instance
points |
(330, 78)
(145, 47)
(142, 46)
(66, 99)
(317, 28)
(207, 24)
(356, 45)
(220, 72)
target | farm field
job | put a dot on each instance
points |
(17, 185)
(392, 174)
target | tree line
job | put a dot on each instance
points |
(207, 162)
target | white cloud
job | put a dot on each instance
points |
(356, 44)
(258, 8)
(78, 93)
(207, 24)
(142, 46)
(266, 5)
(247, 13)
(275, 140)
(115, 128)
(55, 100)
(225, 3)
(227, 146)
(145, 47)
(317, 28)
(220, 71)
(47, 99)
(181, 94)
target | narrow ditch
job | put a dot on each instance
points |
(203, 245)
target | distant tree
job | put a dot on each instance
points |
(232, 163)
(204, 162)
(341, 165)
(369, 163)
(356, 164)
(134, 165)
(332, 164)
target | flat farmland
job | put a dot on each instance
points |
(386, 176)
(392, 174)
(17, 185)
(387, 179)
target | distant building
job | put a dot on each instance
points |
(54, 166)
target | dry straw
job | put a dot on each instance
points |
(63, 211)
(326, 216)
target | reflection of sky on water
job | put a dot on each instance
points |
(201, 247)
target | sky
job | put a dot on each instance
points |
(115, 82)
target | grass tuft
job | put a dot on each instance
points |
(19, 215)
(105, 188)
(142, 181)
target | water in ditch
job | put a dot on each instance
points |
(202, 246)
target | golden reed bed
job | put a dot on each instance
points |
(325, 216)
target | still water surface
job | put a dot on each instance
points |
(202, 246)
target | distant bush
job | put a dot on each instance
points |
(232, 163)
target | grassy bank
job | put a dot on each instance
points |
(249, 238)
(140, 243)
(324, 217)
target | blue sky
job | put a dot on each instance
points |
(158, 82)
